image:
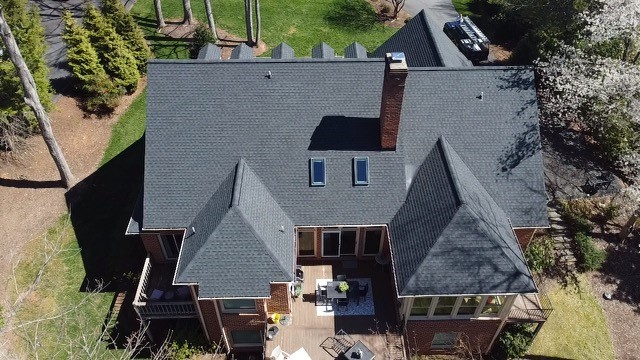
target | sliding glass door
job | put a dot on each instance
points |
(337, 242)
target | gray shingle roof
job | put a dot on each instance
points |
(450, 237)
(282, 51)
(355, 51)
(240, 224)
(210, 52)
(242, 51)
(322, 51)
(424, 44)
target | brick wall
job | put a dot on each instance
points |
(152, 245)
(524, 236)
(256, 322)
(280, 301)
(208, 309)
(395, 75)
(420, 333)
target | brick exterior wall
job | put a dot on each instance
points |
(255, 322)
(280, 301)
(420, 333)
(395, 75)
(152, 245)
(210, 318)
(524, 236)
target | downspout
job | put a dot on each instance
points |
(504, 316)
(200, 316)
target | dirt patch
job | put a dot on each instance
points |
(226, 40)
(399, 22)
(499, 54)
(31, 196)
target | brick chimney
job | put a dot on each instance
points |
(395, 74)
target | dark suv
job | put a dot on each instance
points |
(468, 38)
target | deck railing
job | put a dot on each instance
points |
(151, 309)
(537, 308)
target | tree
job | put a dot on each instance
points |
(212, 24)
(114, 55)
(32, 99)
(397, 6)
(188, 14)
(127, 28)
(258, 22)
(101, 94)
(616, 20)
(157, 5)
(248, 16)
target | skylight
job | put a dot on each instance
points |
(361, 171)
(318, 172)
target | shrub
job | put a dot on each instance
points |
(407, 19)
(101, 94)
(201, 37)
(514, 341)
(125, 26)
(590, 258)
(114, 55)
(577, 213)
(539, 254)
(184, 351)
(385, 9)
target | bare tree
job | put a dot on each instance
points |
(248, 15)
(188, 14)
(159, 17)
(397, 6)
(32, 99)
(212, 24)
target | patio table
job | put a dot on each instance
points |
(353, 353)
(333, 292)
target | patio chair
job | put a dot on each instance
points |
(363, 291)
(341, 277)
(278, 354)
(299, 274)
(343, 302)
(321, 296)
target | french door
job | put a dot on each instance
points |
(338, 242)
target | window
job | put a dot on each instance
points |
(171, 245)
(306, 243)
(421, 306)
(468, 305)
(239, 305)
(444, 306)
(372, 240)
(361, 171)
(493, 305)
(246, 338)
(444, 340)
(336, 242)
(318, 172)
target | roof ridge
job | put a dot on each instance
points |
(426, 25)
(453, 177)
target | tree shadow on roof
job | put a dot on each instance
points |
(336, 132)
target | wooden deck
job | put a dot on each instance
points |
(530, 308)
(309, 330)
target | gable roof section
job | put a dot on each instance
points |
(210, 52)
(242, 51)
(424, 44)
(323, 51)
(450, 237)
(248, 237)
(355, 50)
(282, 51)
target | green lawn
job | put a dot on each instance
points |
(463, 6)
(576, 328)
(300, 23)
(92, 246)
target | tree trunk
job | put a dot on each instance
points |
(248, 15)
(258, 22)
(628, 226)
(188, 15)
(32, 99)
(212, 24)
(159, 17)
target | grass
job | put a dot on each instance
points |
(88, 245)
(463, 7)
(576, 328)
(300, 23)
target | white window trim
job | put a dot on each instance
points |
(246, 344)
(339, 231)
(355, 171)
(164, 250)
(239, 311)
(364, 240)
(313, 231)
(456, 307)
(312, 161)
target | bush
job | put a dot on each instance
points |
(100, 93)
(514, 341)
(385, 9)
(125, 26)
(590, 258)
(356, 15)
(577, 214)
(539, 254)
(201, 37)
(114, 55)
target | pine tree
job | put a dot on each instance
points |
(29, 36)
(127, 28)
(99, 91)
(114, 54)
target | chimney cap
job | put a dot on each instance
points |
(396, 57)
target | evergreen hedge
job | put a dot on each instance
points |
(126, 27)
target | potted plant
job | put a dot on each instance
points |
(343, 287)
(275, 318)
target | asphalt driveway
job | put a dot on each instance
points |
(440, 11)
